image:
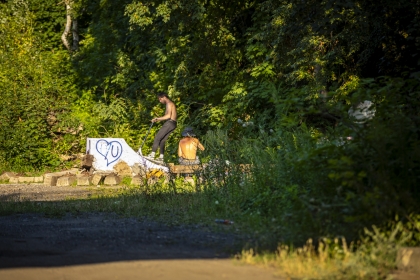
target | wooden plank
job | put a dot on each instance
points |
(185, 168)
(179, 169)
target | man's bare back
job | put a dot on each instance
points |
(187, 148)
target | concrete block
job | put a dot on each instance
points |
(123, 169)
(112, 180)
(39, 179)
(65, 181)
(97, 178)
(50, 179)
(139, 170)
(7, 175)
(14, 180)
(136, 180)
(83, 180)
(73, 171)
(25, 179)
(408, 259)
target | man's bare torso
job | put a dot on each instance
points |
(171, 110)
(188, 148)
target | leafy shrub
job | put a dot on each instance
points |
(35, 93)
(374, 256)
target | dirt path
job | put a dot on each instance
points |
(104, 246)
(153, 270)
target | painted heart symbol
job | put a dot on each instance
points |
(111, 151)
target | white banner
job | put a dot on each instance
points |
(109, 151)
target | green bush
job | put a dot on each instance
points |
(35, 93)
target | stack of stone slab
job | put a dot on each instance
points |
(62, 178)
(74, 177)
(66, 178)
(15, 179)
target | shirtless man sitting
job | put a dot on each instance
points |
(187, 148)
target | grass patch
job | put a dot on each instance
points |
(126, 181)
(371, 257)
(182, 207)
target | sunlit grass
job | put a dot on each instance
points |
(169, 203)
(373, 257)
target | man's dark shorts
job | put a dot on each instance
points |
(184, 161)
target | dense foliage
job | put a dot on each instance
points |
(274, 79)
(36, 93)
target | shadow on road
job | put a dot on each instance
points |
(29, 240)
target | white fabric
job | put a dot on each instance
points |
(364, 111)
(109, 151)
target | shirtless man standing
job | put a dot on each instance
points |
(187, 148)
(166, 129)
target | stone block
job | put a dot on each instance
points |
(123, 169)
(83, 180)
(408, 259)
(97, 178)
(136, 180)
(39, 179)
(112, 180)
(7, 175)
(65, 181)
(14, 180)
(73, 171)
(25, 179)
(50, 179)
(139, 170)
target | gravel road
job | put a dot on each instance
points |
(105, 246)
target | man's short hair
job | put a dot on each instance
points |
(162, 94)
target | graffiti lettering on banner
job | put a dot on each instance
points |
(111, 151)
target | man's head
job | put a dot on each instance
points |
(163, 97)
(188, 131)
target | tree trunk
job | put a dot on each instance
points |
(65, 35)
(75, 35)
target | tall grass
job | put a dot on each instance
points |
(263, 181)
(373, 257)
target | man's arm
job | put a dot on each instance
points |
(179, 149)
(199, 145)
